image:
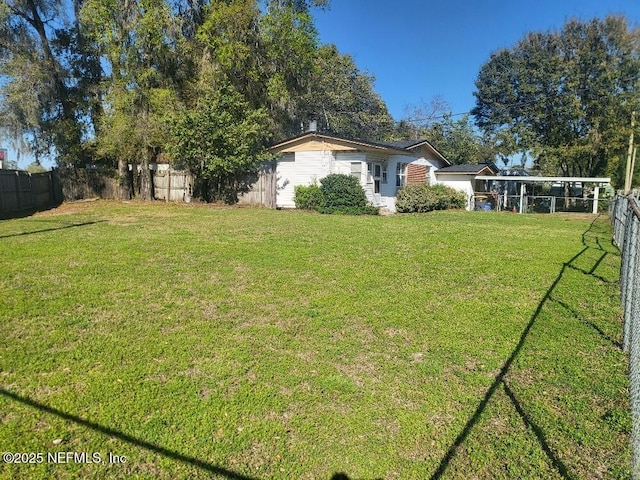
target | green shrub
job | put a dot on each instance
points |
(425, 198)
(307, 197)
(343, 194)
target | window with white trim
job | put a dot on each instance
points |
(356, 170)
(401, 174)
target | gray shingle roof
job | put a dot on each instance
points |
(403, 144)
(466, 168)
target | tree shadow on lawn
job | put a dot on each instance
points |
(196, 462)
(500, 379)
(344, 476)
(52, 229)
(174, 455)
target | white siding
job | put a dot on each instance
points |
(463, 183)
(285, 181)
(343, 163)
(311, 167)
(301, 168)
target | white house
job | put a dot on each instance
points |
(382, 168)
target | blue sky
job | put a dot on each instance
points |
(418, 49)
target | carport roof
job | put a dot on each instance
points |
(527, 179)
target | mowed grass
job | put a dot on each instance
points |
(246, 343)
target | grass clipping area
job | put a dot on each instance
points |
(241, 343)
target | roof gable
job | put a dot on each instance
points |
(467, 169)
(322, 141)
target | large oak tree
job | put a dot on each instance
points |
(564, 97)
(114, 80)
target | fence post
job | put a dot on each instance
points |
(628, 290)
(632, 314)
(169, 185)
(32, 191)
(18, 192)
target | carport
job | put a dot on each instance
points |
(503, 180)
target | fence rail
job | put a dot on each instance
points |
(625, 216)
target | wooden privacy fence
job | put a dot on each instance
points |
(262, 188)
(172, 186)
(81, 183)
(22, 191)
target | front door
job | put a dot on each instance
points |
(375, 172)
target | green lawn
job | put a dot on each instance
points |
(248, 343)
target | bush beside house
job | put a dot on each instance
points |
(307, 197)
(337, 193)
(418, 198)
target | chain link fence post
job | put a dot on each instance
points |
(626, 236)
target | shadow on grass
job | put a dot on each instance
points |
(52, 229)
(27, 212)
(500, 378)
(589, 323)
(539, 433)
(344, 476)
(200, 464)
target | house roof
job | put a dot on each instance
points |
(403, 144)
(467, 169)
(398, 147)
(355, 143)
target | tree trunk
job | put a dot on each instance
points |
(124, 181)
(146, 192)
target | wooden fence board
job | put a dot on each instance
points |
(263, 190)
(24, 191)
(173, 186)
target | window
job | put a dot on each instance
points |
(356, 169)
(384, 174)
(401, 174)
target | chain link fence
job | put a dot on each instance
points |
(625, 216)
(539, 203)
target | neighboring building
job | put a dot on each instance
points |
(463, 178)
(3, 158)
(381, 168)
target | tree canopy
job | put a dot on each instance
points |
(563, 97)
(457, 140)
(113, 81)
